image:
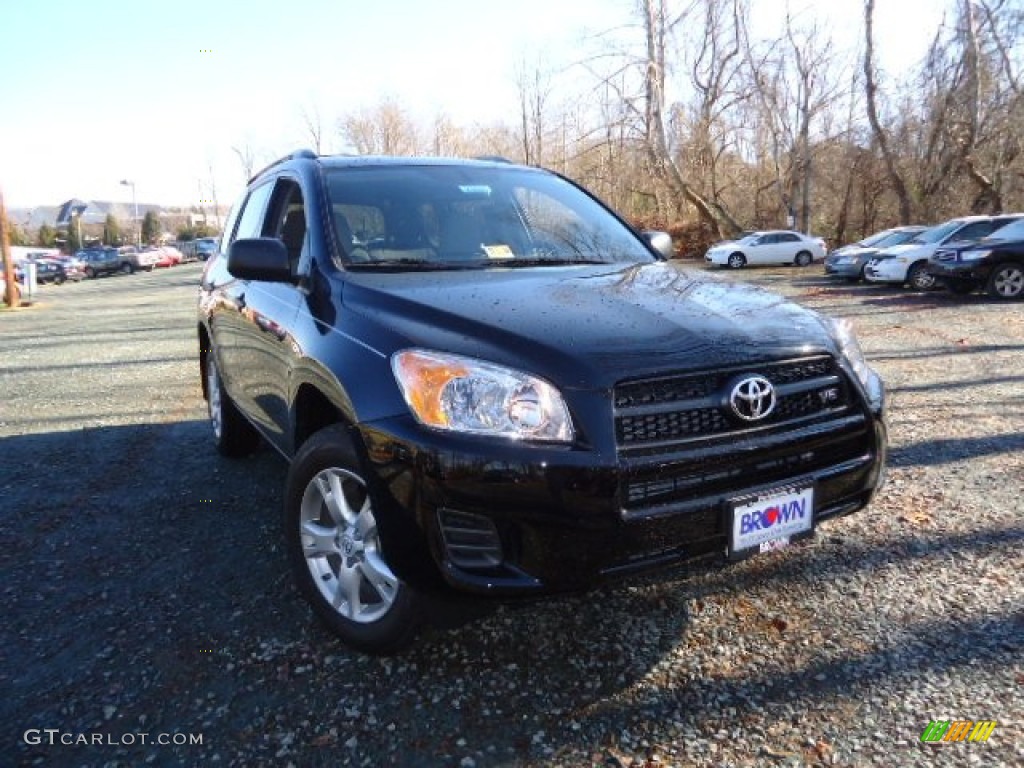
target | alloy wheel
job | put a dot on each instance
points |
(1008, 282)
(341, 547)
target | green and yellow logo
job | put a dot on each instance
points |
(958, 730)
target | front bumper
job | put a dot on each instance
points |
(502, 518)
(886, 271)
(843, 269)
(970, 272)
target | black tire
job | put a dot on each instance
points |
(918, 277)
(90, 273)
(737, 260)
(127, 268)
(803, 259)
(59, 280)
(1007, 282)
(375, 612)
(232, 434)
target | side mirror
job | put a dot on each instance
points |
(661, 242)
(259, 258)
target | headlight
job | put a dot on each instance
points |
(461, 394)
(974, 255)
(842, 332)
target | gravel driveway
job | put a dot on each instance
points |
(145, 589)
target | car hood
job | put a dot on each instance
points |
(908, 249)
(855, 250)
(587, 326)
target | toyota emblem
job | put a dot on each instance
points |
(753, 398)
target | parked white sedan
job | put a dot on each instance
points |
(773, 247)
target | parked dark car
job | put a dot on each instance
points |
(994, 263)
(850, 260)
(99, 261)
(205, 247)
(486, 382)
(56, 271)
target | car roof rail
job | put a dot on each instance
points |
(299, 154)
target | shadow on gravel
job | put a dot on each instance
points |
(944, 451)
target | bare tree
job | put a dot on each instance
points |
(247, 158)
(656, 144)
(383, 130)
(871, 95)
(314, 127)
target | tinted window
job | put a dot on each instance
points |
(788, 238)
(1013, 231)
(974, 231)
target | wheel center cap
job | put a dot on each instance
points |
(348, 546)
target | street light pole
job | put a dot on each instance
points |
(135, 218)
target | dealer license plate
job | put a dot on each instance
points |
(770, 520)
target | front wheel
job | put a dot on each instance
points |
(804, 259)
(1007, 282)
(232, 434)
(919, 279)
(336, 552)
(737, 260)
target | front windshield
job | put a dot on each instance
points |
(466, 216)
(878, 239)
(896, 238)
(937, 233)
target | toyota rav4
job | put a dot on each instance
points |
(486, 382)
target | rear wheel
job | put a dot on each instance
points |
(919, 279)
(803, 259)
(90, 272)
(1007, 282)
(127, 268)
(737, 260)
(232, 434)
(336, 552)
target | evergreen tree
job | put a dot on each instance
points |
(150, 227)
(111, 231)
(47, 236)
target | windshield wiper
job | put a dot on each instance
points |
(543, 262)
(410, 264)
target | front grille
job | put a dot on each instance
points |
(684, 451)
(656, 412)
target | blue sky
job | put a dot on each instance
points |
(95, 92)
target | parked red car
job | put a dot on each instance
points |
(169, 256)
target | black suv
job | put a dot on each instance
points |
(485, 381)
(994, 263)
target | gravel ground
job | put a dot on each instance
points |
(145, 589)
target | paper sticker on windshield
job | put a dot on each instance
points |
(498, 252)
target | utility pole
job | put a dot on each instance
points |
(11, 297)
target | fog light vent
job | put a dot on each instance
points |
(471, 541)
